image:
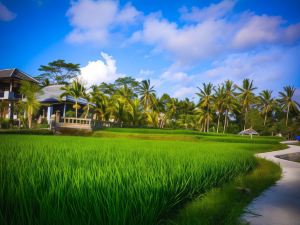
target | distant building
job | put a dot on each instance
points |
(10, 82)
(51, 102)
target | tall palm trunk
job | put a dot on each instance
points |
(218, 122)
(245, 118)
(76, 110)
(287, 115)
(87, 112)
(225, 121)
(265, 120)
(29, 118)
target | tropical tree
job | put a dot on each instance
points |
(87, 107)
(146, 92)
(134, 111)
(218, 100)
(246, 97)
(58, 72)
(101, 103)
(205, 102)
(287, 102)
(230, 103)
(266, 103)
(30, 102)
(76, 90)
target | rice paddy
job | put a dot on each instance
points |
(113, 181)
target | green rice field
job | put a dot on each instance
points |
(114, 180)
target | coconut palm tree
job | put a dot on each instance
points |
(286, 101)
(76, 90)
(246, 97)
(134, 111)
(230, 103)
(146, 92)
(218, 100)
(266, 103)
(206, 100)
(87, 107)
(100, 100)
(30, 103)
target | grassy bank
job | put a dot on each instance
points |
(224, 205)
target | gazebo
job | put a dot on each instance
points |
(249, 131)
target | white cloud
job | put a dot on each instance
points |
(258, 30)
(185, 44)
(6, 14)
(96, 72)
(214, 33)
(94, 20)
(184, 92)
(214, 11)
(268, 68)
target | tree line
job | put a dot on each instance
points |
(225, 107)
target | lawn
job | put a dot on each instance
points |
(115, 180)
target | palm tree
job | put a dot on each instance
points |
(286, 101)
(146, 92)
(219, 102)
(205, 102)
(86, 108)
(246, 96)
(266, 103)
(31, 103)
(134, 111)
(229, 101)
(76, 90)
(171, 106)
(100, 100)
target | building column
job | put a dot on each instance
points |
(10, 114)
(49, 113)
(64, 113)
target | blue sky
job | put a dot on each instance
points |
(176, 44)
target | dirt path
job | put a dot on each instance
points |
(280, 204)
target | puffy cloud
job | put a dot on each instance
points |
(93, 21)
(214, 33)
(96, 72)
(214, 11)
(6, 14)
(268, 68)
(186, 44)
(258, 30)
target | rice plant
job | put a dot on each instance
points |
(87, 180)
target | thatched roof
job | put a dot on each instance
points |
(248, 132)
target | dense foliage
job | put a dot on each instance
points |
(223, 108)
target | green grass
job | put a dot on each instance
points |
(115, 180)
(224, 205)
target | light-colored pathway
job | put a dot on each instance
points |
(280, 204)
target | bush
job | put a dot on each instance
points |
(4, 123)
(70, 113)
(27, 131)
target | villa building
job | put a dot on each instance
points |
(10, 82)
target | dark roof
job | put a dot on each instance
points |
(52, 93)
(16, 73)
